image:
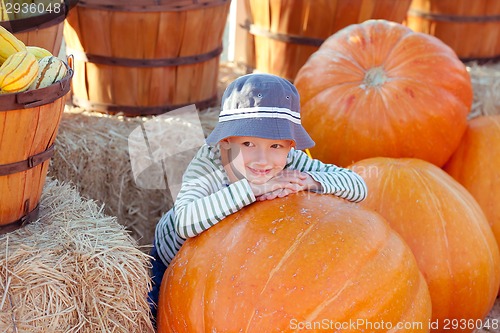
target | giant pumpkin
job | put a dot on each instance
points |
(476, 164)
(380, 89)
(446, 230)
(291, 263)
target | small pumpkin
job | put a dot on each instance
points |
(446, 230)
(280, 265)
(379, 89)
(476, 164)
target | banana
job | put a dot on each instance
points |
(18, 72)
(38, 52)
(50, 70)
(9, 44)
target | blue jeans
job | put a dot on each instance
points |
(157, 271)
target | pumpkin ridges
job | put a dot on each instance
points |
(475, 165)
(347, 286)
(376, 43)
(458, 243)
(427, 95)
(355, 239)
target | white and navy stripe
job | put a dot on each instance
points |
(205, 198)
(260, 112)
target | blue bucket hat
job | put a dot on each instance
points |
(261, 105)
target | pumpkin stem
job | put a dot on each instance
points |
(375, 77)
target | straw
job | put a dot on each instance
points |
(92, 153)
(73, 270)
(485, 80)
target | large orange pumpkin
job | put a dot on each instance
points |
(380, 89)
(446, 230)
(476, 164)
(292, 263)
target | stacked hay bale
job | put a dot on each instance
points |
(486, 84)
(73, 270)
(93, 153)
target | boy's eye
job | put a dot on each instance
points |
(247, 143)
(276, 145)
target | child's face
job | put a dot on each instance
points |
(255, 159)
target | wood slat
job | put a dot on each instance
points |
(24, 133)
(151, 5)
(309, 18)
(452, 21)
(149, 36)
(49, 38)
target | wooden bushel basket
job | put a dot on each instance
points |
(28, 126)
(145, 57)
(45, 30)
(470, 28)
(283, 34)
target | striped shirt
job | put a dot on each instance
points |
(207, 196)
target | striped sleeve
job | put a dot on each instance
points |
(167, 241)
(204, 200)
(335, 180)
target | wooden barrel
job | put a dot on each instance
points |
(43, 30)
(283, 34)
(145, 57)
(470, 27)
(28, 127)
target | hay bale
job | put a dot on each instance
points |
(74, 270)
(485, 80)
(490, 324)
(93, 153)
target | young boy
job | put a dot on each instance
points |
(254, 153)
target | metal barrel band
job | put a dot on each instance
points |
(151, 5)
(69, 4)
(454, 18)
(151, 62)
(32, 98)
(29, 163)
(287, 38)
(130, 110)
(483, 60)
(20, 223)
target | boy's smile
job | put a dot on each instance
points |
(256, 159)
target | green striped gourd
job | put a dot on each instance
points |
(50, 70)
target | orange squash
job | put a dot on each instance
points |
(380, 89)
(476, 164)
(290, 263)
(446, 230)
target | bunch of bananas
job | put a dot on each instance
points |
(26, 67)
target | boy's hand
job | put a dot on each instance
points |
(275, 194)
(286, 179)
(283, 184)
